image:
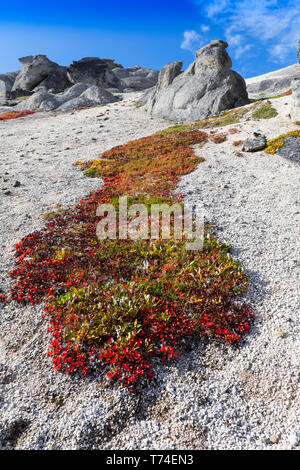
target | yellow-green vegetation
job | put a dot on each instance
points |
(51, 214)
(266, 111)
(275, 144)
(264, 98)
(223, 120)
(79, 108)
(177, 128)
(227, 118)
(275, 97)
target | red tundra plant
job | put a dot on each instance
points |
(119, 303)
(15, 114)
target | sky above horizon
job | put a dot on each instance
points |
(262, 34)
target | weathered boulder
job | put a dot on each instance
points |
(94, 71)
(56, 82)
(136, 78)
(168, 73)
(258, 142)
(71, 93)
(45, 101)
(273, 83)
(165, 78)
(35, 69)
(6, 83)
(207, 87)
(290, 149)
(80, 94)
(142, 100)
(41, 100)
(18, 93)
(295, 100)
(93, 96)
(6, 109)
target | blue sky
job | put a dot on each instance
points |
(262, 34)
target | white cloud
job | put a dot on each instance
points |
(240, 50)
(191, 41)
(204, 28)
(215, 7)
(233, 39)
(271, 25)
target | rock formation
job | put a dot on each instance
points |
(94, 71)
(56, 81)
(136, 78)
(258, 142)
(290, 149)
(86, 82)
(295, 103)
(36, 70)
(273, 83)
(79, 95)
(92, 96)
(6, 83)
(207, 87)
(107, 74)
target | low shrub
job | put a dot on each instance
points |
(237, 143)
(218, 138)
(275, 144)
(15, 114)
(265, 111)
(226, 119)
(151, 165)
(177, 128)
(234, 130)
(286, 93)
(119, 303)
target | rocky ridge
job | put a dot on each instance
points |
(49, 85)
(272, 83)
